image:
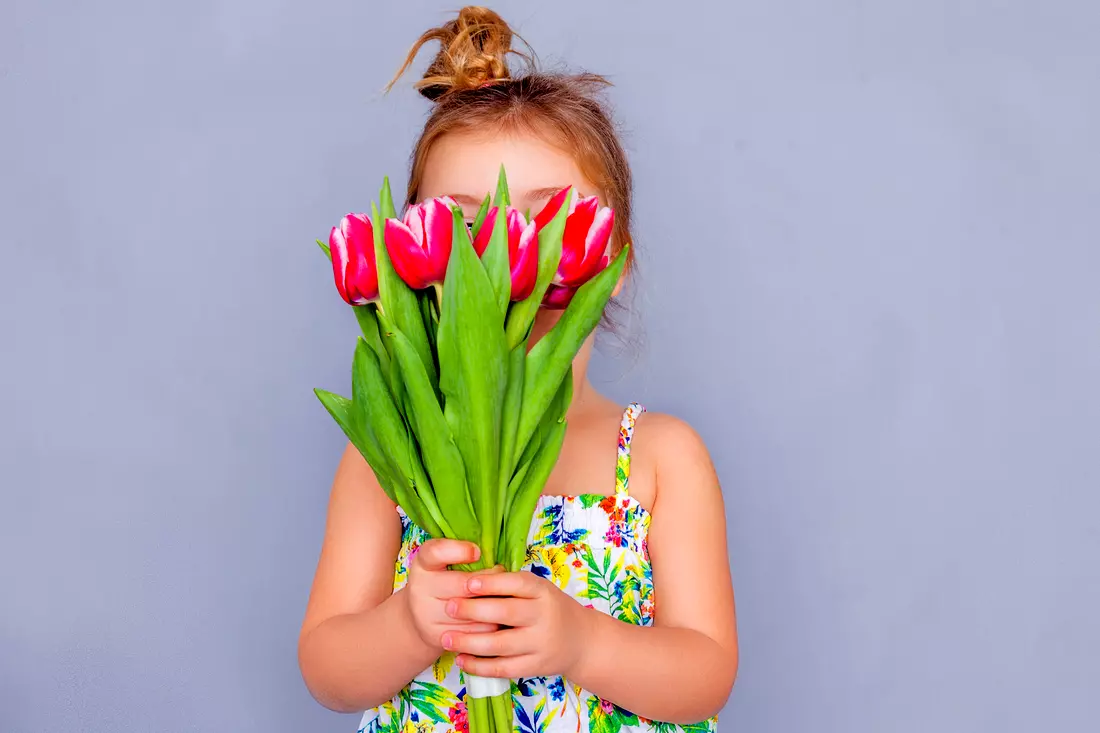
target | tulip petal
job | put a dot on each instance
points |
(339, 248)
(361, 275)
(557, 297)
(408, 256)
(485, 232)
(414, 220)
(517, 222)
(573, 253)
(595, 247)
(525, 262)
(552, 206)
(438, 235)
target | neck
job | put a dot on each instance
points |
(583, 391)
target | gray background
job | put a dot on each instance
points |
(874, 291)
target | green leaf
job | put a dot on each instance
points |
(502, 198)
(495, 258)
(373, 400)
(526, 496)
(367, 316)
(343, 412)
(422, 485)
(517, 484)
(553, 355)
(472, 364)
(399, 302)
(522, 314)
(442, 459)
(429, 313)
(385, 200)
(481, 214)
(513, 401)
(324, 248)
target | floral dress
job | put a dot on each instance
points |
(594, 548)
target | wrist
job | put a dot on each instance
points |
(588, 631)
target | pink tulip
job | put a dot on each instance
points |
(420, 245)
(352, 248)
(585, 249)
(523, 248)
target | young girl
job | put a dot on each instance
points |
(623, 618)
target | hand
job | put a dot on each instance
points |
(431, 586)
(543, 631)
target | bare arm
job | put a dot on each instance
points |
(353, 620)
(682, 669)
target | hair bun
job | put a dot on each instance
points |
(473, 52)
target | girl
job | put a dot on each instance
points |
(582, 633)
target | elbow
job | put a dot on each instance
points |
(318, 684)
(719, 687)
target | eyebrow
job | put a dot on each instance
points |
(466, 199)
(544, 193)
(533, 195)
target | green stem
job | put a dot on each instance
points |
(502, 712)
(479, 716)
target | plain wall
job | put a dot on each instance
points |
(870, 247)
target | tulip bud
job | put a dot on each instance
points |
(420, 245)
(353, 264)
(523, 248)
(585, 250)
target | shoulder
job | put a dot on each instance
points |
(669, 439)
(675, 455)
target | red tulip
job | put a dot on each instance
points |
(420, 245)
(585, 250)
(523, 248)
(353, 265)
(584, 247)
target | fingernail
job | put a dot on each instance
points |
(447, 642)
(452, 608)
(474, 584)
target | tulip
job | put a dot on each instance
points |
(585, 249)
(523, 248)
(353, 265)
(420, 245)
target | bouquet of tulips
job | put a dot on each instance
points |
(459, 416)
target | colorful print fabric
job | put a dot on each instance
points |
(594, 548)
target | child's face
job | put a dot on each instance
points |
(465, 167)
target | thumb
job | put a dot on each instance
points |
(437, 554)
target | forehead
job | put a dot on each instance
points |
(468, 164)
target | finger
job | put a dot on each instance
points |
(504, 611)
(519, 585)
(445, 584)
(474, 627)
(437, 554)
(503, 643)
(504, 667)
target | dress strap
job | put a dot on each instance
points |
(626, 433)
